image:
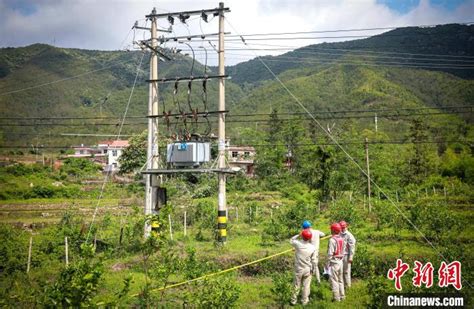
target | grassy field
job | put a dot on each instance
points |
(48, 206)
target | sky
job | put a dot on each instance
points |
(106, 24)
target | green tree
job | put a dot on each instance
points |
(79, 167)
(420, 163)
(134, 156)
(77, 283)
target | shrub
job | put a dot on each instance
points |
(361, 265)
(42, 192)
(433, 218)
(273, 231)
(214, 293)
(79, 167)
(378, 289)
(77, 284)
(13, 250)
(344, 210)
(282, 288)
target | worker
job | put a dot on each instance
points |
(315, 241)
(335, 256)
(349, 250)
(305, 262)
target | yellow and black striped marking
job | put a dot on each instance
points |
(155, 228)
(222, 225)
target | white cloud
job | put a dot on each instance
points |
(104, 24)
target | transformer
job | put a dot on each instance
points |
(188, 154)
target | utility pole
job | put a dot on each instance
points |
(152, 181)
(368, 172)
(222, 205)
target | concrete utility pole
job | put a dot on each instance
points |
(222, 205)
(152, 181)
(368, 172)
(153, 198)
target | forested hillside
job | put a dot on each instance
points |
(41, 81)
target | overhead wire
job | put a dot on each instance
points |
(372, 114)
(341, 30)
(230, 114)
(360, 61)
(302, 145)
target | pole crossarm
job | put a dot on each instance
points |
(156, 50)
(199, 12)
(189, 170)
(188, 37)
(186, 78)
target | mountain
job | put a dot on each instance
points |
(399, 69)
(36, 82)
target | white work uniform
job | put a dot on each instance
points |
(349, 250)
(315, 241)
(304, 263)
(335, 256)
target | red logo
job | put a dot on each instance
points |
(423, 274)
(397, 273)
(450, 274)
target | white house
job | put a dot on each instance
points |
(114, 151)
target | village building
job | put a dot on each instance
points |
(106, 153)
(241, 158)
(114, 151)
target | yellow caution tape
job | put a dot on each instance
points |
(224, 271)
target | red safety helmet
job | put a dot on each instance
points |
(336, 228)
(306, 234)
(343, 224)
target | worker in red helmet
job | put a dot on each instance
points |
(317, 234)
(334, 265)
(305, 261)
(349, 251)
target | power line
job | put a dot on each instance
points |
(339, 111)
(332, 55)
(389, 116)
(377, 64)
(342, 30)
(352, 50)
(390, 142)
(330, 60)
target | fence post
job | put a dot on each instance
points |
(66, 249)
(171, 228)
(29, 255)
(185, 223)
